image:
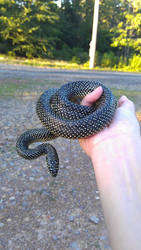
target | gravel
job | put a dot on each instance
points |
(94, 219)
(36, 210)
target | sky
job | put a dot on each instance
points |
(59, 2)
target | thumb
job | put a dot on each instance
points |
(124, 102)
(92, 97)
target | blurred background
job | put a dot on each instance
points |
(61, 30)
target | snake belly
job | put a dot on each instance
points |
(61, 114)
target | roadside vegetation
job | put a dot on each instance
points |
(47, 34)
(107, 60)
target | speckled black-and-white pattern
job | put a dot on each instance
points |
(62, 115)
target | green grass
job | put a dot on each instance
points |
(59, 64)
(25, 87)
(37, 62)
(29, 87)
(133, 95)
(130, 93)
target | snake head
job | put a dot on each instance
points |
(52, 160)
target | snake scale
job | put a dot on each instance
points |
(61, 114)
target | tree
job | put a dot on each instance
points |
(75, 26)
(29, 26)
(109, 16)
(128, 31)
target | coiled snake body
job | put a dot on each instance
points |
(62, 115)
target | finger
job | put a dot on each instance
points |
(122, 100)
(125, 102)
(92, 97)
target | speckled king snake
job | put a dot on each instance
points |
(62, 115)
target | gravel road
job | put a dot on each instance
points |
(38, 212)
(115, 79)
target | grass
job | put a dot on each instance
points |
(131, 94)
(37, 62)
(28, 88)
(19, 87)
(59, 64)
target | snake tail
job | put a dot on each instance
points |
(37, 135)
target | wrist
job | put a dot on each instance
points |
(117, 165)
(107, 146)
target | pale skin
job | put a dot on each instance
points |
(116, 156)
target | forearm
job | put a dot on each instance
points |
(117, 168)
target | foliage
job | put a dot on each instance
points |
(26, 26)
(128, 31)
(133, 65)
(135, 62)
(41, 28)
(109, 16)
(109, 59)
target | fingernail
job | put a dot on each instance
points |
(100, 88)
(124, 98)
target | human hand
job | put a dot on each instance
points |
(116, 158)
(124, 123)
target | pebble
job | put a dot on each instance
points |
(70, 230)
(41, 178)
(55, 237)
(10, 242)
(71, 218)
(31, 178)
(67, 160)
(26, 219)
(1, 206)
(52, 217)
(1, 224)
(13, 202)
(12, 198)
(94, 219)
(35, 172)
(61, 166)
(74, 246)
(68, 167)
(77, 232)
(25, 204)
(27, 192)
(103, 237)
(45, 193)
(9, 220)
(12, 163)
(97, 198)
(40, 235)
(37, 213)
